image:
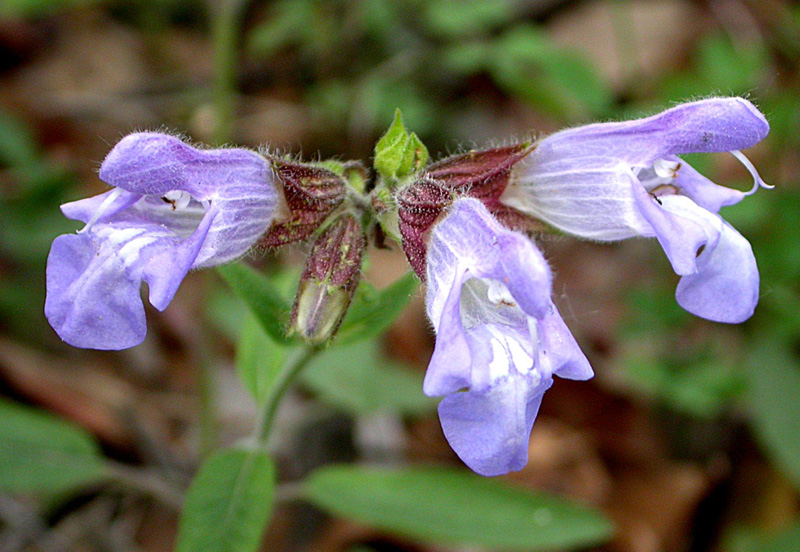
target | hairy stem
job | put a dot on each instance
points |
(296, 362)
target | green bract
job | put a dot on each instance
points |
(398, 153)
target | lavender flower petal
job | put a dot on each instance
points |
(93, 282)
(724, 288)
(499, 338)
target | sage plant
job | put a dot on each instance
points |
(467, 225)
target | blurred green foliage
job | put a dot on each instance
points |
(358, 61)
(30, 220)
(351, 64)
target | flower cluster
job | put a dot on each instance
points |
(465, 224)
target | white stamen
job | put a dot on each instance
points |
(666, 169)
(178, 198)
(757, 181)
(498, 294)
(100, 210)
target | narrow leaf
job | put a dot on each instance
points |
(263, 298)
(373, 311)
(39, 452)
(774, 388)
(452, 507)
(228, 504)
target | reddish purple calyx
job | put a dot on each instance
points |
(311, 194)
(483, 175)
(419, 205)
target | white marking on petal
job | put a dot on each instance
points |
(128, 242)
(507, 352)
(129, 253)
(523, 362)
(499, 365)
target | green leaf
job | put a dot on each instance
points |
(39, 452)
(18, 147)
(786, 541)
(775, 410)
(262, 296)
(259, 358)
(37, 8)
(373, 311)
(451, 507)
(281, 28)
(471, 16)
(360, 380)
(228, 503)
(529, 66)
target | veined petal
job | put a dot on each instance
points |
(559, 353)
(711, 125)
(680, 236)
(470, 234)
(85, 210)
(93, 282)
(449, 368)
(499, 338)
(725, 286)
(708, 195)
(165, 271)
(239, 182)
(172, 208)
(579, 180)
(490, 430)
(591, 201)
(152, 163)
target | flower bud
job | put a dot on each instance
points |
(330, 278)
(311, 194)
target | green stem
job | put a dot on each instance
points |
(205, 361)
(296, 362)
(226, 27)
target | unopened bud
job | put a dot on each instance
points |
(330, 278)
(311, 193)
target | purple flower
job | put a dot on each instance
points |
(499, 338)
(173, 208)
(611, 181)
